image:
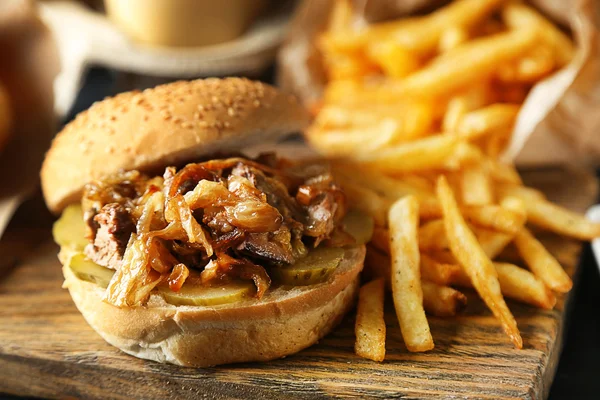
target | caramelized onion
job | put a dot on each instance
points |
(178, 277)
(226, 267)
(133, 282)
(207, 194)
(254, 216)
(232, 210)
(177, 210)
(190, 173)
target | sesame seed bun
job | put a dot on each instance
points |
(172, 124)
(169, 124)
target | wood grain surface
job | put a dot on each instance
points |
(47, 349)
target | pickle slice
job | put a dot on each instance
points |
(197, 295)
(359, 225)
(69, 229)
(316, 267)
(87, 270)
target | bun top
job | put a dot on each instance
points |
(169, 124)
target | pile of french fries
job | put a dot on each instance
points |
(415, 116)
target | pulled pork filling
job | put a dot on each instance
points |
(213, 221)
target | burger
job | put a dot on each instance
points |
(179, 248)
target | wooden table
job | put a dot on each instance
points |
(47, 349)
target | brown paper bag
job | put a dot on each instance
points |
(560, 120)
(28, 65)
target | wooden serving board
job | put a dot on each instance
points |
(48, 350)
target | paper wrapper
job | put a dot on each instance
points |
(559, 122)
(28, 65)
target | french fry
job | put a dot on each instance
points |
(341, 41)
(432, 236)
(492, 243)
(538, 64)
(452, 38)
(335, 116)
(418, 182)
(496, 143)
(418, 112)
(427, 153)
(344, 67)
(557, 219)
(502, 173)
(520, 284)
(400, 122)
(346, 142)
(442, 301)
(442, 273)
(421, 35)
(394, 59)
(476, 263)
(391, 188)
(476, 188)
(516, 283)
(370, 325)
(522, 192)
(437, 272)
(474, 61)
(471, 99)
(457, 108)
(515, 205)
(490, 119)
(406, 275)
(465, 154)
(496, 218)
(353, 93)
(541, 262)
(520, 16)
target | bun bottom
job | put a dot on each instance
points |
(283, 322)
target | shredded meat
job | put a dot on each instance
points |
(273, 246)
(325, 206)
(113, 226)
(220, 217)
(225, 267)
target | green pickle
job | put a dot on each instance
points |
(315, 268)
(87, 270)
(197, 295)
(69, 229)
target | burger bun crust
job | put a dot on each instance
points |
(285, 321)
(168, 125)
